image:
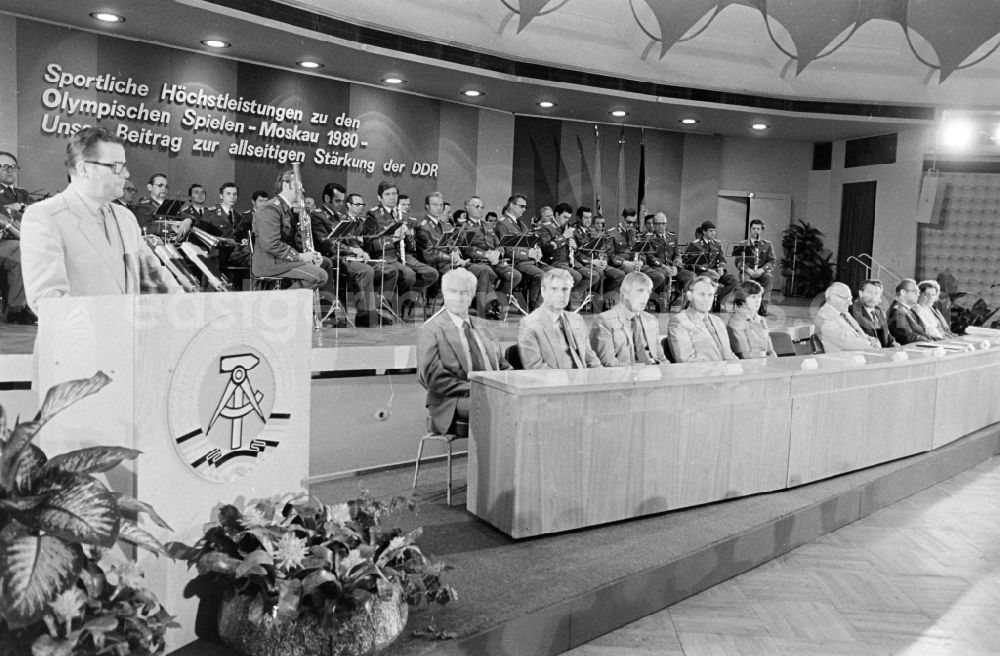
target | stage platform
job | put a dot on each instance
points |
(367, 407)
(549, 594)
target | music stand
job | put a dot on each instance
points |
(694, 260)
(343, 230)
(739, 256)
(514, 241)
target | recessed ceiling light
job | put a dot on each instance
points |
(215, 43)
(472, 93)
(760, 126)
(310, 64)
(546, 104)
(393, 80)
(689, 121)
(107, 17)
(619, 113)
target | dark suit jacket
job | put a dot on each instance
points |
(756, 256)
(215, 222)
(377, 220)
(905, 326)
(701, 256)
(508, 225)
(442, 368)
(879, 328)
(274, 250)
(429, 232)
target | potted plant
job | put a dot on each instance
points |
(807, 265)
(61, 592)
(301, 577)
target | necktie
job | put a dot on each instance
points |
(104, 211)
(850, 322)
(715, 335)
(639, 341)
(570, 342)
(8, 195)
(479, 362)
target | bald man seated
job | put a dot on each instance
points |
(449, 346)
(838, 330)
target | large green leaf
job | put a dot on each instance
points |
(92, 460)
(129, 532)
(49, 646)
(63, 395)
(253, 561)
(14, 451)
(35, 569)
(132, 504)
(28, 469)
(80, 509)
(24, 504)
(289, 597)
(217, 562)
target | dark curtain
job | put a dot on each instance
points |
(857, 230)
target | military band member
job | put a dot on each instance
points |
(559, 249)
(195, 207)
(550, 337)
(627, 334)
(704, 257)
(430, 230)
(665, 259)
(755, 259)
(127, 199)
(483, 248)
(749, 335)
(276, 251)
(258, 200)
(596, 262)
(527, 261)
(13, 201)
(694, 334)
(224, 221)
(449, 346)
(355, 267)
(387, 248)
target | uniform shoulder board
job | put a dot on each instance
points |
(424, 222)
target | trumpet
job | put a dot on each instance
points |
(172, 261)
(211, 241)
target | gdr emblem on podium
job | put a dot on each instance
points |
(225, 408)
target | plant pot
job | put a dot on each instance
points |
(364, 631)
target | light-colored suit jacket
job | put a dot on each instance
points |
(748, 334)
(611, 337)
(540, 342)
(442, 368)
(64, 251)
(691, 341)
(838, 334)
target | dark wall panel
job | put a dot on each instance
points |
(536, 167)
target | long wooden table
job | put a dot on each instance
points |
(552, 451)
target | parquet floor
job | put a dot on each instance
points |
(918, 578)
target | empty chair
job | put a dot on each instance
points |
(513, 357)
(782, 343)
(817, 344)
(461, 433)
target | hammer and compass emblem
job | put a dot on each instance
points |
(239, 398)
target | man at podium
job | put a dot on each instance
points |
(78, 242)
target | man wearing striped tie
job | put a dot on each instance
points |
(449, 346)
(550, 337)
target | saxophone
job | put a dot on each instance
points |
(304, 235)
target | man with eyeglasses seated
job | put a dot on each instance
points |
(626, 334)
(449, 346)
(837, 330)
(80, 243)
(867, 311)
(904, 324)
(127, 199)
(483, 247)
(694, 334)
(550, 337)
(665, 260)
(355, 264)
(13, 201)
(145, 209)
(934, 323)
(527, 260)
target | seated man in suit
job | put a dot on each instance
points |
(836, 328)
(694, 334)
(904, 324)
(627, 334)
(934, 323)
(550, 337)
(868, 312)
(449, 346)
(748, 332)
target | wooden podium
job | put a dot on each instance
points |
(212, 388)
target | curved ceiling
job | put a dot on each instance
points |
(589, 57)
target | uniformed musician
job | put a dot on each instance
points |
(704, 257)
(755, 259)
(483, 247)
(527, 260)
(557, 242)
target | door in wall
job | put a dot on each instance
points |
(857, 230)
